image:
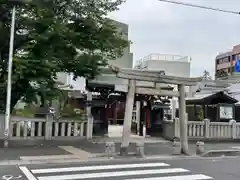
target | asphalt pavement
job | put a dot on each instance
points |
(126, 169)
(183, 169)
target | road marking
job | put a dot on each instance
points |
(84, 155)
(9, 177)
(47, 157)
(27, 173)
(104, 167)
(112, 174)
(236, 147)
(184, 177)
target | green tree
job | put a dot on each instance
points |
(221, 74)
(72, 36)
(206, 75)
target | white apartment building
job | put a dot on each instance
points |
(172, 65)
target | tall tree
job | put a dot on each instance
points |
(206, 75)
(72, 36)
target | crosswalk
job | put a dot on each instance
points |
(140, 171)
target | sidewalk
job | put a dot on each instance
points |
(84, 150)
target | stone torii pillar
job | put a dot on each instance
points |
(126, 136)
(89, 116)
(183, 119)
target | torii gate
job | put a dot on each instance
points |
(133, 75)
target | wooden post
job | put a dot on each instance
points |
(142, 118)
(128, 118)
(148, 119)
(138, 114)
(89, 116)
(183, 120)
(173, 109)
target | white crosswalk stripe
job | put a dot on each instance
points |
(140, 171)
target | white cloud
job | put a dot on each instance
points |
(158, 27)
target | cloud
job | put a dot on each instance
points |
(158, 27)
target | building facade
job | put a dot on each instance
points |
(172, 65)
(225, 62)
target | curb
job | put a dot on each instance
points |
(224, 152)
(106, 159)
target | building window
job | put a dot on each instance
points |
(220, 61)
(233, 57)
(237, 56)
(226, 60)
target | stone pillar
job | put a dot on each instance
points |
(176, 148)
(126, 136)
(183, 120)
(234, 128)
(89, 116)
(199, 148)
(56, 106)
(48, 127)
(140, 149)
(2, 125)
(206, 128)
(176, 128)
(110, 149)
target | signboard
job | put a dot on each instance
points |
(237, 66)
(226, 112)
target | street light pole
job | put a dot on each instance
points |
(9, 81)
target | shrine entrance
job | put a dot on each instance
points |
(145, 83)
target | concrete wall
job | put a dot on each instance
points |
(171, 68)
(126, 61)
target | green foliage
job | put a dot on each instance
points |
(72, 36)
(206, 75)
(27, 111)
(221, 73)
(200, 114)
(70, 112)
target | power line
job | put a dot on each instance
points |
(200, 6)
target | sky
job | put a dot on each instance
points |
(160, 27)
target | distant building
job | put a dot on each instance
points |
(225, 62)
(172, 65)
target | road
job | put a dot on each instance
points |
(185, 169)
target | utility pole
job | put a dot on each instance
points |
(9, 80)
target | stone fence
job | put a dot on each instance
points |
(46, 128)
(203, 129)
